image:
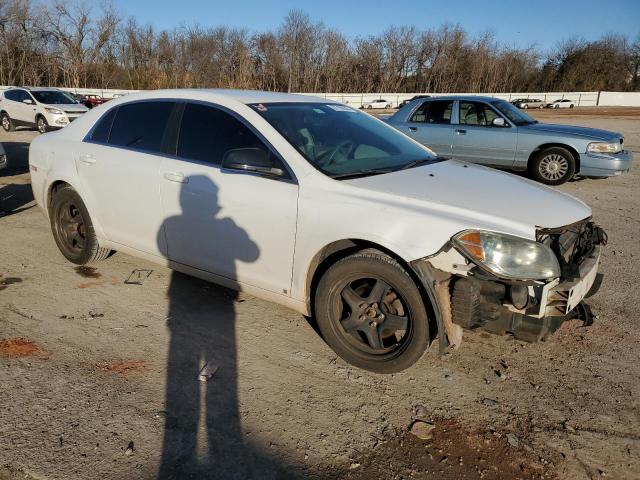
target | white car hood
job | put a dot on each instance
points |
(69, 107)
(480, 191)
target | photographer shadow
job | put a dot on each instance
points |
(203, 437)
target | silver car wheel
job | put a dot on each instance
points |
(42, 126)
(553, 167)
(5, 122)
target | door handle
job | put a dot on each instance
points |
(88, 159)
(461, 132)
(413, 129)
(176, 177)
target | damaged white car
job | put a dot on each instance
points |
(313, 205)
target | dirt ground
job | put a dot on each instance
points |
(98, 376)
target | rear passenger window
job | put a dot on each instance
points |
(103, 127)
(207, 133)
(11, 95)
(141, 125)
(438, 112)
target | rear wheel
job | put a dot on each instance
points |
(7, 124)
(371, 313)
(553, 166)
(72, 228)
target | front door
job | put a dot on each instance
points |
(237, 225)
(476, 139)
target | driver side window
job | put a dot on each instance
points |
(476, 113)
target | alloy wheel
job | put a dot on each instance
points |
(553, 167)
(42, 126)
(374, 316)
(70, 227)
(5, 122)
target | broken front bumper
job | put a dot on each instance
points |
(488, 304)
(470, 298)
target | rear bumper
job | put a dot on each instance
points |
(604, 165)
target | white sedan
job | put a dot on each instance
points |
(319, 207)
(379, 103)
(561, 103)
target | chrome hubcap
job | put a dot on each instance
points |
(553, 167)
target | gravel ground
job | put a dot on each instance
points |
(99, 377)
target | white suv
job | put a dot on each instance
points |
(319, 207)
(43, 108)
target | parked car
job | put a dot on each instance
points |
(526, 103)
(415, 97)
(3, 158)
(561, 103)
(93, 101)
(43, 108)
(319, 207)
(379, 103)
(80, 98)
(493, 132)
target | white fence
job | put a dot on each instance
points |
(582, 99)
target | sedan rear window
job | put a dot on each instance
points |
(141, 125)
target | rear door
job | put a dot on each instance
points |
(238, 225)
(119, 166)
(476, 139)
(430, 124)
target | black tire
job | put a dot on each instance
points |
(7, 123)
(72, 228)
(357, 280)
(553, 166)
(41, 124)
(571, 106)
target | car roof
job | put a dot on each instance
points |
(242, 96)
(464, 97)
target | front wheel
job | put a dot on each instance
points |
(371, 313)
(42, 125)
(553, 166)
(72, 228)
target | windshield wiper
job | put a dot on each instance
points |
(421, 161)
(362, 173)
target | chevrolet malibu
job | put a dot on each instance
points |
(495, 133)
(319, 207)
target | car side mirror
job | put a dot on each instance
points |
(499, 122)
(255, 160)
(28, 101)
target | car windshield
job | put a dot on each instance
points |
(514, 114)
(341, 141)
(53, 97)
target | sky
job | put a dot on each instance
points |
(540, 23)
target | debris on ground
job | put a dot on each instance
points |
(207, 372)
(513, 440)
(422, 430)
(138, 277)
(87, 272)
(130, 449)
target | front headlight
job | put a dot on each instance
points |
(507, 256)
(54, 111)
(604, 147)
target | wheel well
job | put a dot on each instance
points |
(340, 249)
(53, 188)
(544, 146)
